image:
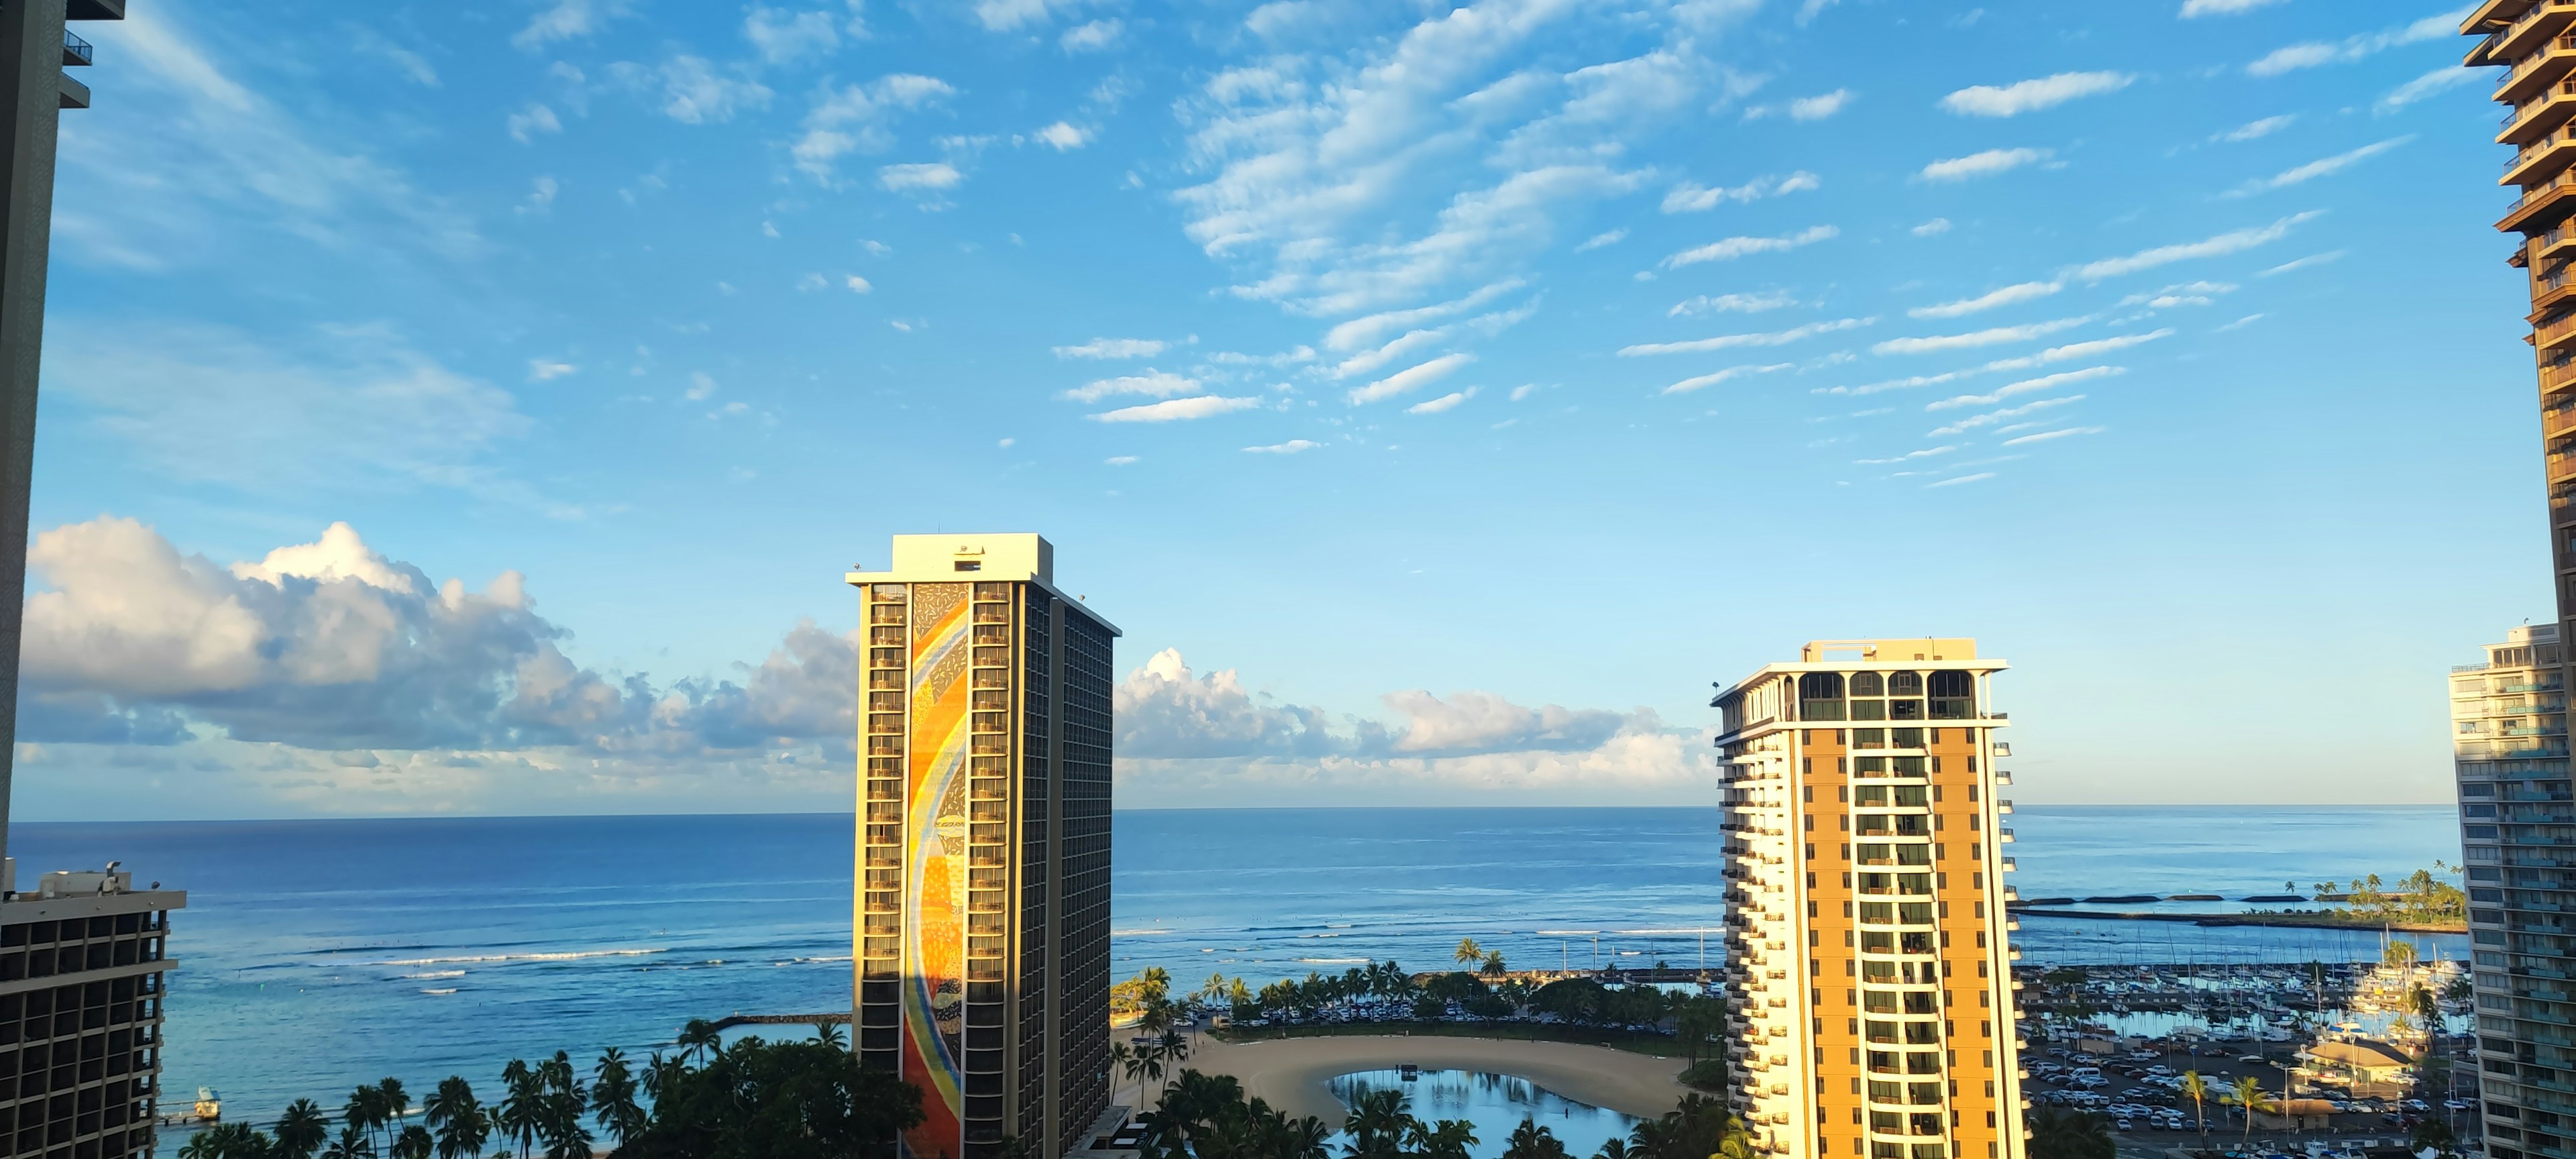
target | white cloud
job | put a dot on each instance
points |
(1012, 15)
(783, 37)
(2239, 324)
(2311, 54)
(2323, 167)
(1691, 198)
(527, 123)
(1091, 37)
(1152, 384)
(1736, 247)
(1119, 460)
(1730, 341)
(541, 195)
(1688, 385)
(929, 177)
(1114, 348)
(2027, 386)
(2200, 293)
(567, 20)
(1363, 331)
(1062, 136)
(1989, 337)
(2023, 292)
(853, 119)
(2252, 130)
(1368, 360)
(2033, 95)
(1909, 456)
(1421, 374)
(2439, 80)
(692, 92)
(1290, 447)
(702, 386)
(2193, 8)
(548, 369)
(1598, 240)
(2302, 263)
(1955, 480)
(1933, 228)
(2233, 241)
(2045, 436)
(1820, 106)
(856, 284)
(1985, 164)
(2087, 349)
(1447, 401)
(1991, 418)
(1753, 303)
(1178, 409)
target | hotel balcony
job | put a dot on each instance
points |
(2538, 70)
(2539, 159)
(2492, 15)
(2543, 205)
(2532, 119)
(2537, 24)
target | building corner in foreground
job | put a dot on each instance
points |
(981, 963)
(1871, 1008)
(83, 968)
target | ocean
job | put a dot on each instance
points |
(315, 955)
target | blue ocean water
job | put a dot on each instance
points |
(318, 954)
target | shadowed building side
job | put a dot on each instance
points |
(982, 927)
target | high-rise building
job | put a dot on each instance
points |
(2509, 747)
(1869, 969)
(982, 924)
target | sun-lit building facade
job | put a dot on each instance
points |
(981, 955)
(1869, 966)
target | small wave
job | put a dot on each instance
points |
(559, 956)
(1334, 961)
(436, 974)
(1148, 933)
(449, 990)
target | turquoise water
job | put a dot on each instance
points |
(1496, 1104)
(315, 954)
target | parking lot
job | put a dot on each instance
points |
(2140, 1092)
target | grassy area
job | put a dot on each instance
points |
(1655, 1045)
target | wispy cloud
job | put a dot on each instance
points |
(1955, 480)
(1447, 401)
(1369, 330)
(2195, 8)
(1291, 447)
(1735, 247)
(1091, 37)
(1820, 106)
(928, 177)
(2313, 53)
(548, 369)
(1598, 240)
(2302, 263)
(2006, 296)
(2180, 294)
(2252, 130)
(2045, 436)
(1688, 385)
(2322, 167)
(1753, 303)
(1062, 136)
(2439, 80)
(2032, 95)
(1691, 198)
(1933, 228)
(1114, 348)
(2075, 350)
(1909, 456)
(1985, 164)
(1991, 418)
(1410, 377)
(1152, 384)
(2234, 241)
(1177, 410)
(2027, 386)
(1990, 337)
(1730, 341)
(2239, 324)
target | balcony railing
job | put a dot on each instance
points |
(76, 51)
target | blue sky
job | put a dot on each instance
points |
(1441, 399)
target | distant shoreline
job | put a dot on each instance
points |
(2307, 921)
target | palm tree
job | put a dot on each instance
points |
(1615, 1148)
(226, 1141)
(524, 1109)
(2056, 1134)
(1531, 1141)
(699, 1038)
(1120, 1063)
(2196, 1089)
(300, 1131)
(2248, 1093)
(456, 1121)
(353, 1143)
(1376, 1123)
(413, 1143)
(1447, 1139)
(612, 1094)
(1468, 951)
(395, 1105)
(1494, 964)
(829, 1034)
(366, 1112)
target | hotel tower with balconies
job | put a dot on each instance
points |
(1869, 969)
(2509, 748)
(981, 963)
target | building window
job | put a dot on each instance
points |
(970, 565)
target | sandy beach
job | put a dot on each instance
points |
(1290, 1073)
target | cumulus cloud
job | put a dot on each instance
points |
(1933, 228)
(1062, 136)
(783, 37)
(1985, 164)
(567, 20)
(857, 119)
(1091, 37)
(693, 91)
(927, 177)
(333, 645)
(2032, 95)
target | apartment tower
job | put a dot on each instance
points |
(981, 964)
(2511, 742)
(1869, 970)
(2509, 747)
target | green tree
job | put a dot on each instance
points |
(1446, 1139)
(395, 1105)
(2197, 1090)
(1469, 951)
(2400, 953)
(1531, 1141)
(1494, 964)
(829, 1034)
(2248, 1096)
(612, 1095)
(699, 1039)
(353, 1143)
(756, 1100)
(412, 1142)
(455, 1119)
(301, 1131)
(228, 1141)
(366, 1112)
(2436, 1134)
(2056, 1134)
(522, 1111)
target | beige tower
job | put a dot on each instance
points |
(981, 960)
(1869, 972)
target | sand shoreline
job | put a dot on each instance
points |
(1290, 1073)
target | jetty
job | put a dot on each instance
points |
(728, 1022)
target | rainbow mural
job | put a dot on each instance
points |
(934, 943)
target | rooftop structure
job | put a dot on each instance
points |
(83, 958)
(981, 960)
(1869, 982)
